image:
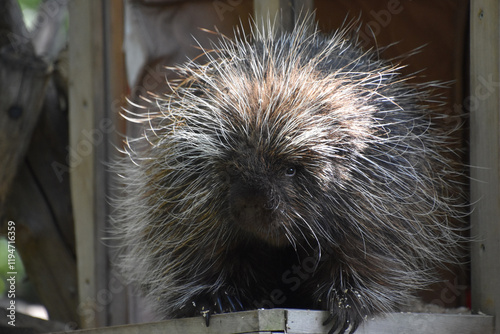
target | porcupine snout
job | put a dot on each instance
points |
(251, 207)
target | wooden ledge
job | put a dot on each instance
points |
(306, 322)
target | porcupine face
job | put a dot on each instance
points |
(280, 161)
(288, 132)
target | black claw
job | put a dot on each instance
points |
(345, 328)
(215, 302)
(232, 307)
(241, 308)
(206, 315)
(219, 304)
(330, 319)
(355, 326)
(342, 323)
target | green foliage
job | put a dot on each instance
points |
(29, 8)
(29, 4)
(4, 265)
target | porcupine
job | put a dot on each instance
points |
(292, 170)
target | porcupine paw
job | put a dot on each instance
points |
(220, 301)
(343, 321)
(346, 311)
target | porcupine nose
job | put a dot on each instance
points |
(251, 208)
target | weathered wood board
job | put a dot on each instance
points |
(307, 322)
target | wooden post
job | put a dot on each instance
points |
(119, 304)
(85, 100)
(94, 63)
(23, 78)
(484, 109)
(32, 138)
(286, 13)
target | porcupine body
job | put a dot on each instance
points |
(288, 171)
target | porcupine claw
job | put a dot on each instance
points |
(331, 318)
(235, 303)
(228, 301)
(232, 308)
(241, 308)
(218, 302)
(202, 307)
(206, 314)
(342, 323)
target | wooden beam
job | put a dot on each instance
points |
(28, 324)
(23, 78)
(96, 90)
(32, 138)
(285, 13)
(117, 88)
(306, 322)
(484, 109)
(86, 99)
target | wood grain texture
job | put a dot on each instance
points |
(485, 155)
(96, 88)
(85, 74)
(307, 322)
(23, 78)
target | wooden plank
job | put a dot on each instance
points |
(38, 200)
(116, 87)
(311, 322)
(229, 323)
(26, 321)
(286, 13)
(484, 108)
(307, 322)
(86, 100)
(426, 323)
(23, 78)
(97, 88)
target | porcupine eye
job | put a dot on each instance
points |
(290, 171)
